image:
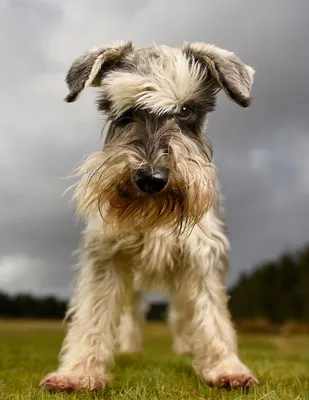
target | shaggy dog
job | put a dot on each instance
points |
(153, 209)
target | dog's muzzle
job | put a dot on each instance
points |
(151, 180)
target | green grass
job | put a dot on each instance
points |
(28, 350)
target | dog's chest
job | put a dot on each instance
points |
(156, 261)
(159, 253)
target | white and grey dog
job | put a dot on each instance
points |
(152, 204)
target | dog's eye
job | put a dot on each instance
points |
(185, 112)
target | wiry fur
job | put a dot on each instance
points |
(174, 240)
(191, 184)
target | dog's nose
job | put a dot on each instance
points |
(151, 180)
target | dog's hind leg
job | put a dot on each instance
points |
(177, 321)
(130, 335)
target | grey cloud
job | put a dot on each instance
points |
(260, 152)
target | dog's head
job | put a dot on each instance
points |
(155, 167)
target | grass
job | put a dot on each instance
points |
(28, 350)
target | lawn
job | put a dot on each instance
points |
(28, 350)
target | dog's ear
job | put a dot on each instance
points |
(231, 74)
(87, 70)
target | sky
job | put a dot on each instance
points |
(262, 152)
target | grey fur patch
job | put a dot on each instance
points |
(235, 77)
(88, 69)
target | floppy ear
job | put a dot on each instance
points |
(87, 70)
(231, 74)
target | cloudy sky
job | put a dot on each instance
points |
(262, 153)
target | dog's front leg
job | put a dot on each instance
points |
(87, 353)
(212, 337)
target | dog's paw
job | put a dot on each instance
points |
(182, 350)
(130, 348)
(69, 383)
(229, 373)
(130, 352)
(233, 381)
(180, 347)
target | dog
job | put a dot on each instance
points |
(154, 212)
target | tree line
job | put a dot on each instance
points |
(277, 290)
(29, 306)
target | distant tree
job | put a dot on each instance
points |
(5, 305)
(157, 312)
(29, 306)
(277, 290)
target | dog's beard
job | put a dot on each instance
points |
(106, 187)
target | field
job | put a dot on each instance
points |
(28, 350)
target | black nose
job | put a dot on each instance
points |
(151, 180)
